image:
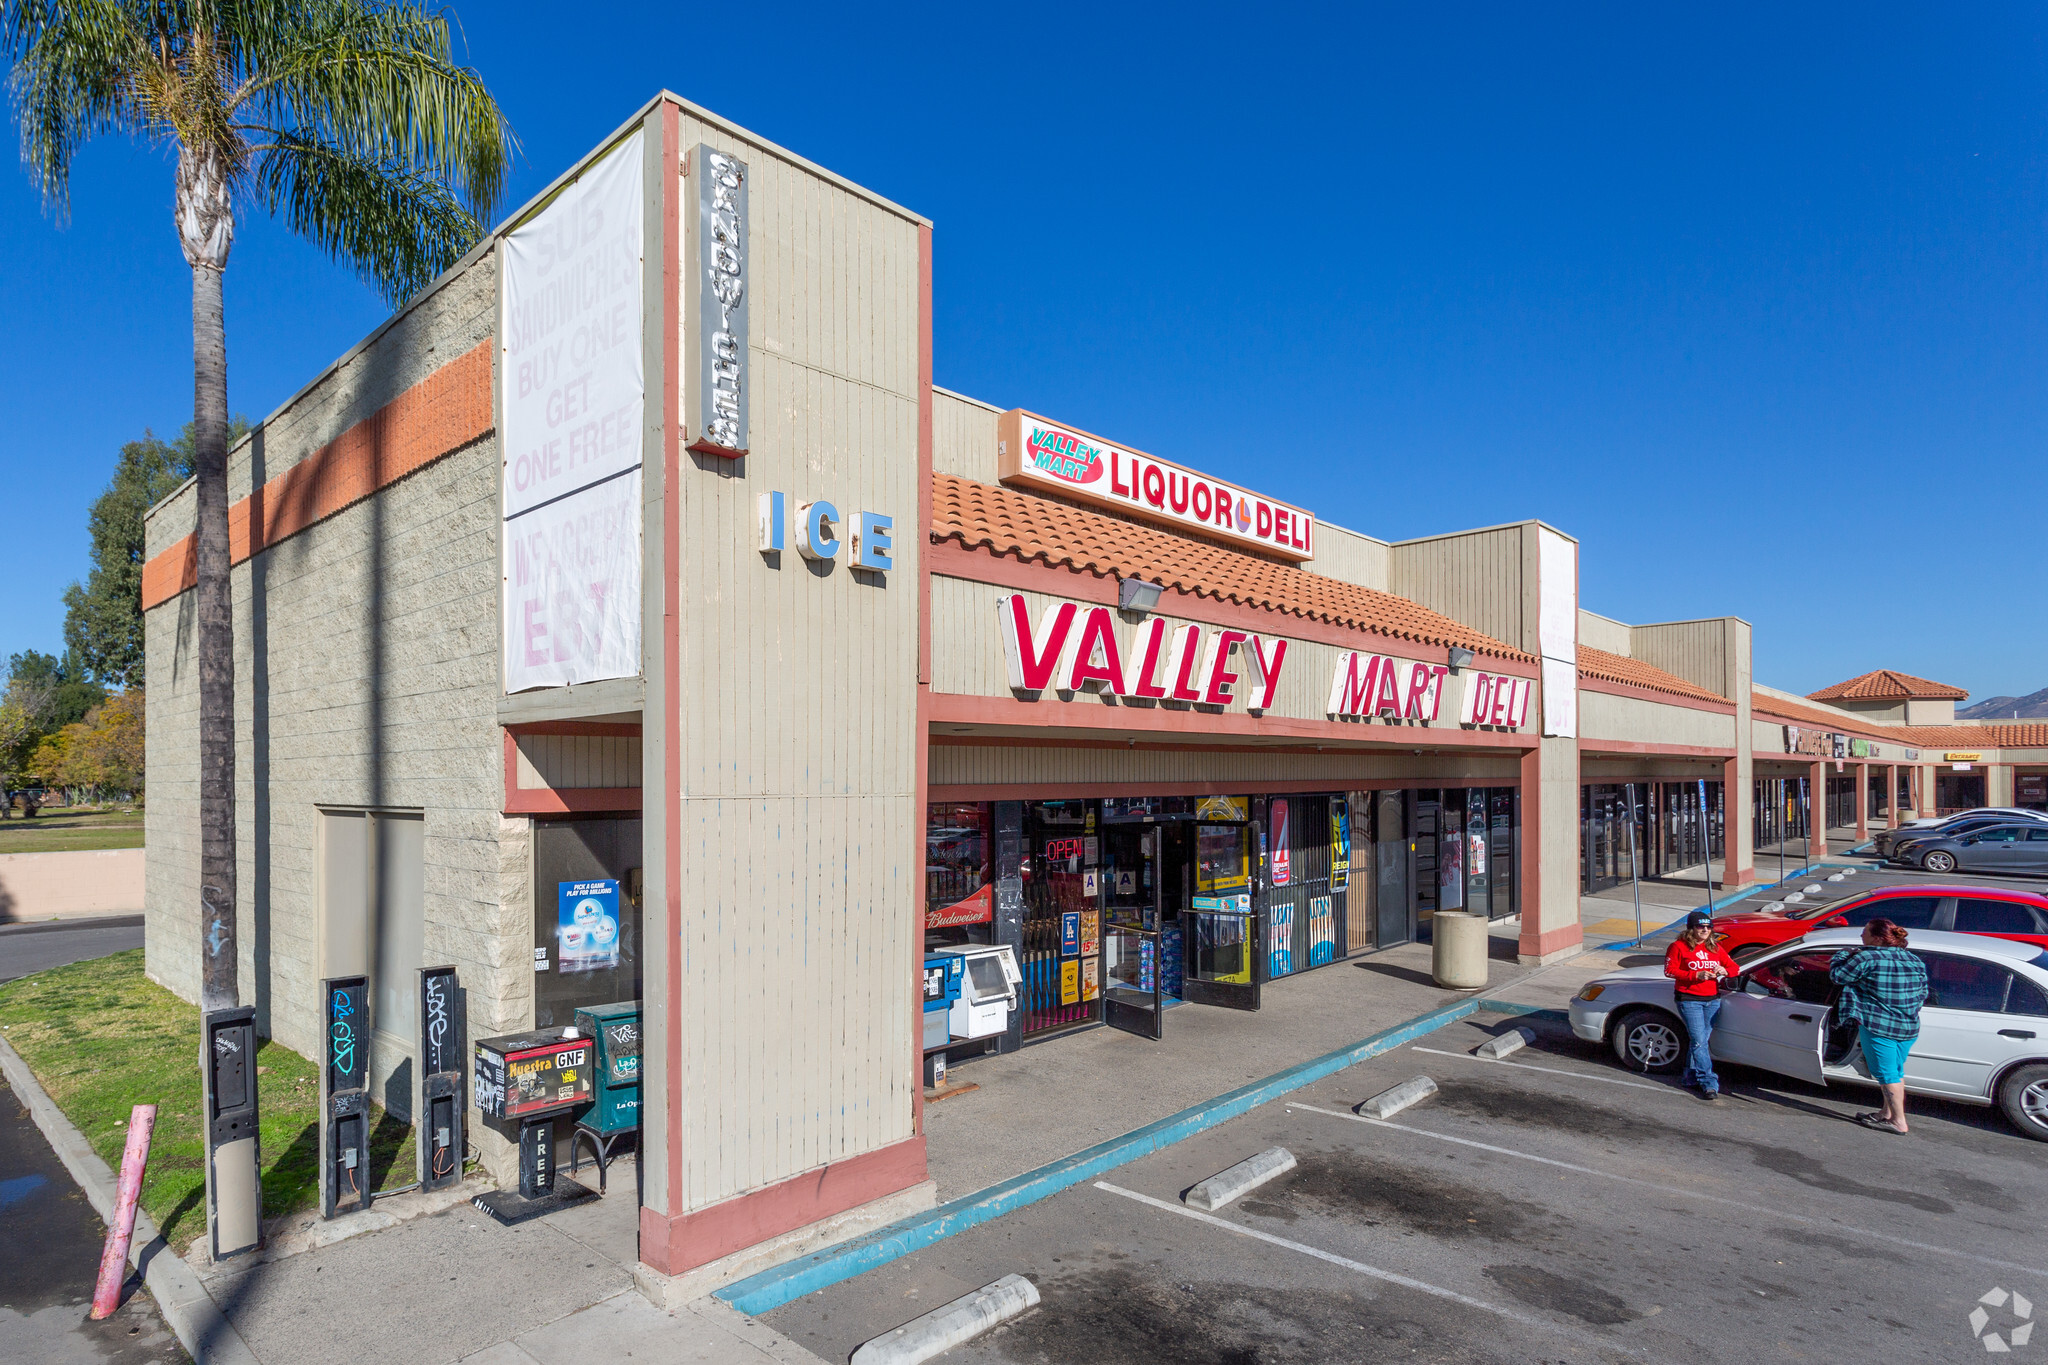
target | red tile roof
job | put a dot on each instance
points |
(1619, 668)
(1815, 718)
(2009, 735)
(1884, 684)
(1004, 521)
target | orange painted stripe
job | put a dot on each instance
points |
(439, 415)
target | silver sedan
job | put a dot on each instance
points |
(1983, 1033)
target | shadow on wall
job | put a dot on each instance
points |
(8, 908)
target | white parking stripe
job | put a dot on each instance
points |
(1361, 1267)
(1679, 1190)
(1547, 1070)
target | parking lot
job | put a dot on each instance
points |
(1550, 1207)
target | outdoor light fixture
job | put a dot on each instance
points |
(1461, 657)
(1135, 594)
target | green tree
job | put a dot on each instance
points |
(52, 691)
(103, 615)
(350, 120)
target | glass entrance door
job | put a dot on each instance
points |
(1221, 925)
(1131, 888)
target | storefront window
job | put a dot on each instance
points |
(957, 881)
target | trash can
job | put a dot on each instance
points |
(1458, 949)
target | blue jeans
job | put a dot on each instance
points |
(1699, 1015)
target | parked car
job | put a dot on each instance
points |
(2014, 848)
(2001, 911)
(1983, 1034)
(1884, 839)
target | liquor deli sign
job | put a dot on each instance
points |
(1034, 452)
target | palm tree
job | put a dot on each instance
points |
(351, 120)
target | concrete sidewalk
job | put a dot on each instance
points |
(457, 1286)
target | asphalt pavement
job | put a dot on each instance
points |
(1549, 1207)
(29, 948)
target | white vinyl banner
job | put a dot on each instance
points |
(571, 417)
(572, 588)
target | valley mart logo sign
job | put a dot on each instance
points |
(2021, 1310)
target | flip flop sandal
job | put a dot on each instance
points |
(1878, 1123)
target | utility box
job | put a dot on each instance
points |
(440, 1110)
(234, 1188)
(345, 1096)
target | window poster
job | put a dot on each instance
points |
(1340, 844)
(1283, 857)
(1223, 808)
(1070, 935)
(1091, 977)
(1322, 930)
(1091, 932)
(1070, 983)
(587, 925)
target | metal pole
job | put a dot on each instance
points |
(1635, 876)
(1706, 845)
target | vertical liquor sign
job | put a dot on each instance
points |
(572, 407)
(722, 270)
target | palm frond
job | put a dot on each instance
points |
(398, 224)
(73, 77)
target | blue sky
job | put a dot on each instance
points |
(1751, 300)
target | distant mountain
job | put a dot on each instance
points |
(2033, 706)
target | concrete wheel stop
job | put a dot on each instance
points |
(1246, 1176)
(1394, 1099)
(940, 1330)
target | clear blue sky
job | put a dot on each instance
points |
(1750, 300)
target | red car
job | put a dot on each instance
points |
(1993, 910)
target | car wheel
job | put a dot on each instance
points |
(2024, 1097)
(1940, 860)
(1649, 1040)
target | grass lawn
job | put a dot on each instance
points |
(102, 1038)
(58, 830)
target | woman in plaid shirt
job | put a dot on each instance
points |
(1883, 988)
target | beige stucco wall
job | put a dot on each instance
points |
(1603, 715)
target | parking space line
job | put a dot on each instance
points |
(1679, 1190)
(1547, 1070)
(1361, 1267)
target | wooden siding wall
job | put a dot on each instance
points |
(968, 659)
(562, 761)
(799, 853)
(1698, 651)
(1602, 715)
(1477, 577)
(1225, 772)
(1351, 557)
(963, 438)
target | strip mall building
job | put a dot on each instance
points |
(642, 547)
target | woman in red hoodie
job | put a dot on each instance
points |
(1696, 968)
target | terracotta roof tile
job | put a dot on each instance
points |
(1815, 717)
(1004, 521)
(1619, 668)
(1884, 684)
(2010, 735)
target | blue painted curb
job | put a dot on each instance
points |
(772, 1288)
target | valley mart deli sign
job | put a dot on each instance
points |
(1032, 452)
(1073, 648)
